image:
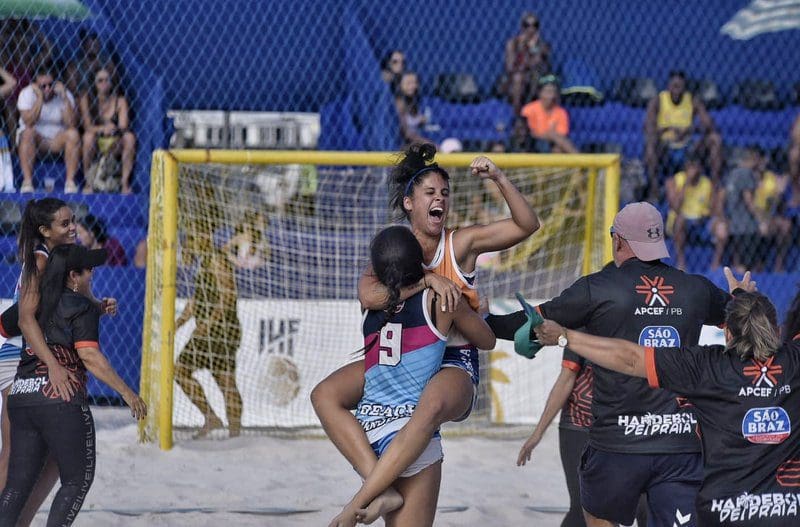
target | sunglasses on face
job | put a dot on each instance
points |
(530, 23)
(45, 85)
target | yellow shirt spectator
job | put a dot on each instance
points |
(696, 199)
(671, 115)
(768, 192)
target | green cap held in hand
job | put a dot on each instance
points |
(523, 343)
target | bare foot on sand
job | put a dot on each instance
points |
(212, 422)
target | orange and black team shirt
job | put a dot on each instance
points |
(749, 413)
(577, 412)
(74, 325)
(653, 304)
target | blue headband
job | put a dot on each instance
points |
(418, 173)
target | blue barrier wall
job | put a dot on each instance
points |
(204, 49)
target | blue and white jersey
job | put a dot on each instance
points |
(401, 357)
(11, 348)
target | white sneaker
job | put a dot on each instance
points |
(26, 188)
(70, 188)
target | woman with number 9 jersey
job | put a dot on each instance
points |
(404, 345)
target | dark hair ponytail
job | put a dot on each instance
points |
(414, 162)
(753, 323)
(791, 325)
(51, 285)
(37, 214)
(397, 260)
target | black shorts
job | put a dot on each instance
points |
(216, 352)
(611, 484)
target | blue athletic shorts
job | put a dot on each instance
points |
(611, 484)
(466, 358)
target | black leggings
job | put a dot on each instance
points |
(65, 430)
(571, 444)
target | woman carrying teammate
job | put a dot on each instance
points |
(404, 345)
(46, 223)
(420, 192)
(746, 396)
(42, 422)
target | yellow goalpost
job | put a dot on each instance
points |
(598, 176)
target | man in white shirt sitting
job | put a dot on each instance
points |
(47, 124)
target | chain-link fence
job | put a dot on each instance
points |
(354, 74)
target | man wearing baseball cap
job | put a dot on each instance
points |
(642, 441)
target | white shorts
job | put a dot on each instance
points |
(432, 454)
(8, 370)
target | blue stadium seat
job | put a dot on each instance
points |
(740, 126)
(338, 131)
(612, 122)
(489, 120)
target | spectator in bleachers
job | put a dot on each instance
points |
(92, 234)
(106, 124)
(47, 125)
(24, 49)
(794, 150)
(393, 65)
(548, 121)
(694, 214)
(775, 229)
(741, 212)
(669, 126)
(407, 102)
(527, 58)
(91, 57)
(6, 170)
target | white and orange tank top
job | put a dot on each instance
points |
(444, 263)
